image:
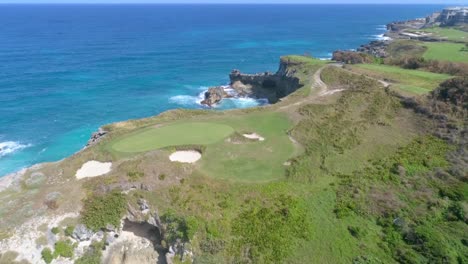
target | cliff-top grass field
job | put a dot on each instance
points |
(444, 51)
(411, 81)
(450, 34)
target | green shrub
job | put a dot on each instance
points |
(270, 233)
(55, 230)
(357, 232)
(423, 155)
(367, 260)
(178, 227)
(135, 175)
(69, 230)
(64, 249)
(212, 245)
(455, 193)
(455, 212)
(162, 176)
(47, 255)
(434, 246)
(100, 210)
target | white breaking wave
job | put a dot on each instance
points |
(381, 37)
(227, 103)
(187, 100)
(9, 147)
(382, 27)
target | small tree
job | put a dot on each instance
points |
(47, 255)
(63, 249)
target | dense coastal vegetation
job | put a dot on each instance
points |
(364, 163)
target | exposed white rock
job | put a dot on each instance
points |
(24, 239)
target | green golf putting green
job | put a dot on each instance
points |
(189, 133)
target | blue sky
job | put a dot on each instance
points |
(447, 2)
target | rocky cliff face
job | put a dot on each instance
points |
(272, 86)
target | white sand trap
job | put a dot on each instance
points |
(254, 136)
(185, 156)
(93, 169)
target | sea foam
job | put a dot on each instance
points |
(9, 147)
(382, 27)
(235, 101)
(381, 37)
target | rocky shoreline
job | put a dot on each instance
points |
(408, 30)
(271, 86)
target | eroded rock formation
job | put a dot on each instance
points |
(96, 137)
(214, 95)
(377, 48)
(272, 86)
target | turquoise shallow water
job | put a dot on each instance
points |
(65, 70)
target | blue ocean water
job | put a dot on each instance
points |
(65, 70)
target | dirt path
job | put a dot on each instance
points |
(318, 88)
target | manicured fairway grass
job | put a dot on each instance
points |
(411, 81)
(448, 33)
(255, 160)
(245, 161)
(187, 133)
(444, 51)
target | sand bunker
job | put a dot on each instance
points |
(185, 156)
(93, 169)
(254, 136)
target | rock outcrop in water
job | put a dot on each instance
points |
(96, 137)
(214, 95)
(272, 86)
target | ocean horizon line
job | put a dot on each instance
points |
(239, 4)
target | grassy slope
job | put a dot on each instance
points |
(445, 51)
(405, 48)
(412, 81)
(251, 161)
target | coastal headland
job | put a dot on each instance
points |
(362, 159)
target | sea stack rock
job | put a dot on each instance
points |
(214, 95)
